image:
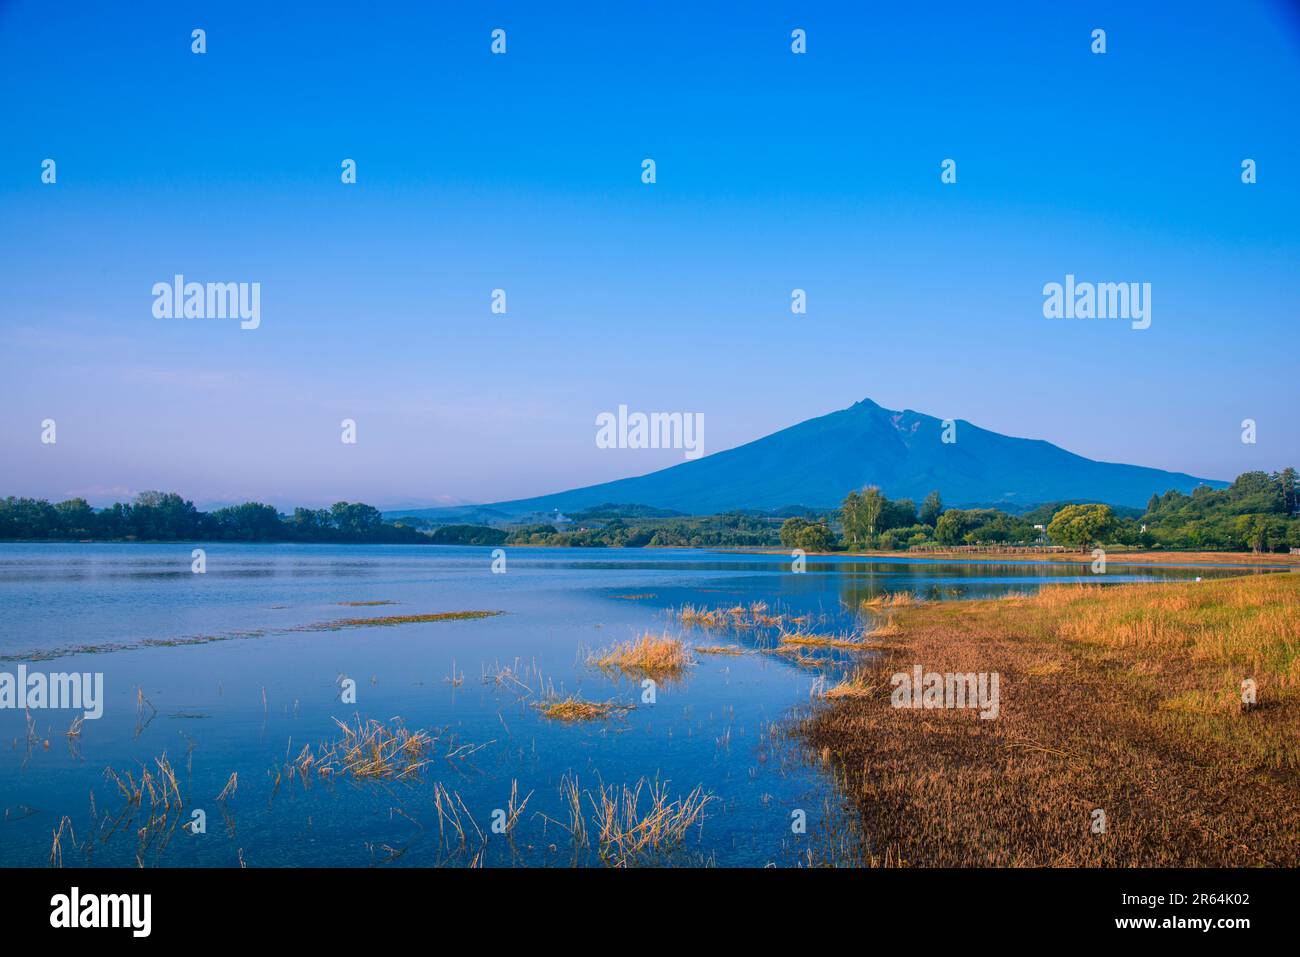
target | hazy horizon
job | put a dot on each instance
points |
(522, 172)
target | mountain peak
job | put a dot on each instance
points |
(818, 461)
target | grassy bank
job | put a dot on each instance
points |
(1122, 557)
(1117, 557)
(1124, 699)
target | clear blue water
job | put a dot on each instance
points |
(245, 704)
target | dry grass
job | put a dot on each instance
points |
(739, 617)
(797, 655)
(651, 656)
(849, 642)
(629, 825)
(703, 617)
(454, 817)
(627, 833)
(718, 650)
(898, 599)
(860, 683)
(56, 848)
(370, 750)
(1125, 698)
(576, 709)
(888, 629)
(572, 795)
(152, 808)
(232, 785)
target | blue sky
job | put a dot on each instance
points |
(522, 172)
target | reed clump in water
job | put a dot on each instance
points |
(573, 708)
(627, 833)
(798, 656)
(739, 617)
(703, 617)
(56, 849)
(370, 749)
(651, 656)
(849, 642)
(152, 807)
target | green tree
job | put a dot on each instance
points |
(1080, 525)
(815, 538)
(1290, 493)
(164, 516)
(250, 522)
(1261, 533)
(931, 509)
(851, 518)
(355, 520)
(873, 503)
(312, 524)
(951, 527)
(790, 530)
(899, 513)
(77, 518)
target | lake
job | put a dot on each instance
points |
(235, 671)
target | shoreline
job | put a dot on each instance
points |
(1120, 699)
(1209, 559)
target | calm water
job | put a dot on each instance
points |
(268, 684)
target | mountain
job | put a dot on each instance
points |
(817, 462)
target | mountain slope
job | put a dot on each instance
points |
(818, 461)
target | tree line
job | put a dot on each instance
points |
(166, 516)
(1259, 512)
(728, 530)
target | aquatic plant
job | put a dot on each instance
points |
(371, 749)
(626, 833)
(652, 656)
(576, 709)
(849, 642)
(385, 621)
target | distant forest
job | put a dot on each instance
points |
(166, 517)
(1257, 512)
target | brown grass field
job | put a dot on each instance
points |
(1124, 698)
